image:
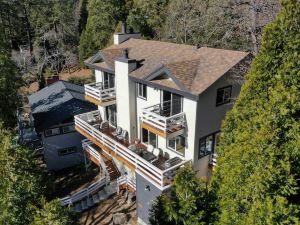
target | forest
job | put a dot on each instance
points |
(257, 178)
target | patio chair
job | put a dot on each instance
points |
(117, 132)
(156, 152)
(91, 118)
(104, 126)
(150, 148)
(123, 136)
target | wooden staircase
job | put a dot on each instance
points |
(110, 167)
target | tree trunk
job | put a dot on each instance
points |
(253, 25)
(27, 28)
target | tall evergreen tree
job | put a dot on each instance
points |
(22, 181)
(188, 203)
(10, 82)
(257, 177)
(53, 213)
(147, 17)
(103, 17)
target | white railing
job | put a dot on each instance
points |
(143, 167)
(99, 92)
(85, 192)
(152, 116)
(125, 180)
(87, 146)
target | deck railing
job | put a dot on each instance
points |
(83, 193)
(125, 180)
(99, 92)
(160, 178)
(151, 116)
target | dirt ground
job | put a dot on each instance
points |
(102, 213)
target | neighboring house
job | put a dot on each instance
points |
(53, 109)
(169, 97)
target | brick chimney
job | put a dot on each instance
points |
(51, 80)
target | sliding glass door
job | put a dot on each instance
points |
(108, 80)
(171, 104)
(111, 114)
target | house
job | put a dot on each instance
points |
(52, 110)
(160, 107)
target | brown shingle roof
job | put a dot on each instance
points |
(195, 68)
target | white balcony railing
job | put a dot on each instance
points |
(83, 193)
(99, 92)
(152, 116)
(160, 178)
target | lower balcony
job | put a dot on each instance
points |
(99, 94)
(157, 121)
(159, 170)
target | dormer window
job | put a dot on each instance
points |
(223, 95)
(142, 90)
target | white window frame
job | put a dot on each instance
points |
(51, 130)
(175, 149)
(156, 138)
(142, 95)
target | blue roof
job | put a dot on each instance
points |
(54, 95)
(58, 103)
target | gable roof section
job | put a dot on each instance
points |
(53, 95)
(56, 103)
(189, 68)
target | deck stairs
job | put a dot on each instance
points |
(110, 167)
(95, 198)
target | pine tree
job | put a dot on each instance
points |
(257, 177)
(22, 181)
(103, 17)
(53, 213)
(10, 82)
(187, 203)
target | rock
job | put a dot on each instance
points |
(119, 219)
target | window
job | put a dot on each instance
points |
(68, 129)
(177, 144)
(142, 90)
(223, 95)
(66, 151)
(208, 144)
(52, 132)
(149, 138)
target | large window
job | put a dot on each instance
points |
(177, 144)
(111, 114)
(52, 132)
(149, 138)
(223, 95)
(207, 145)
(142, 90)
(108, 80)
(66, 151)
(68, 129)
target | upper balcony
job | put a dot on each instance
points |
(160, 121)
(160, 171)
(100, 94)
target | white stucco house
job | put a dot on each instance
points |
(160, 107)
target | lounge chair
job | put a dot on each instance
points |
(150, 148)
(123, 136)
(117, 132)
(104, 126)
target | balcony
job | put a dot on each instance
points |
(159, 121)
(99, 94)
(159, 172)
